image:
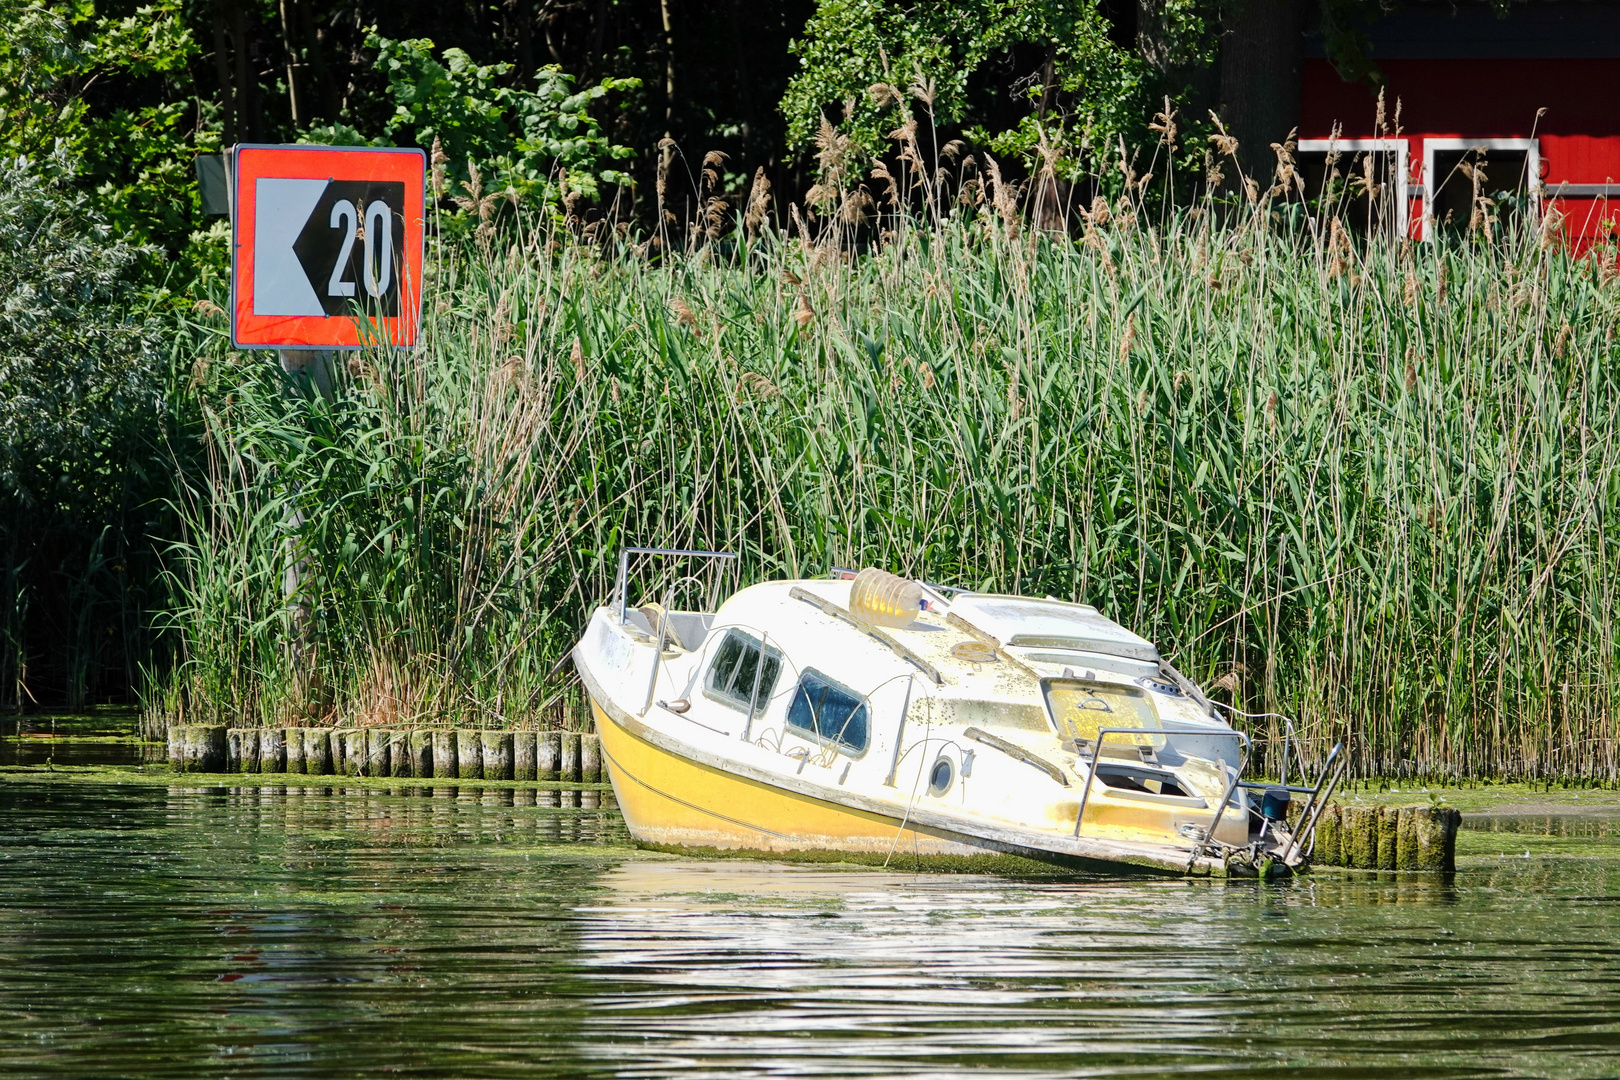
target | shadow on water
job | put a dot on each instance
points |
(331, 931)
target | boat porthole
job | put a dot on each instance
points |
(939, 779)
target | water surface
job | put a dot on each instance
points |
(194, 931)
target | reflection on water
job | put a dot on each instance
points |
(103, 737)
(193, 931)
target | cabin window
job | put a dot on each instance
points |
(826, 711)
(736, 663)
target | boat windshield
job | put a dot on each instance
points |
(1080, 709)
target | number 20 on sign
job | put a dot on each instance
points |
(327, 247)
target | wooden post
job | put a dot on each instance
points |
(1435, 831)
(590, 759)
(1360, 839)
(497, 749)
(1406, 838)
(1327, 851)
(377, 752)
(523, 744)
(421, 750)
(233, 750)
(272, 750)
(444, 755)
(548, 755)
(1388, 820)
(570, 757)
(295, 564)
(399, 754)
(318, 751)
(354, 753)
(197, 748)
(295, 750)
(250, 750)
(469, 755)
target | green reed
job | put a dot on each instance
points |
(1376, 486)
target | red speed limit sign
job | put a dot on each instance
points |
(327, 247)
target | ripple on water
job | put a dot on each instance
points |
(321, 931)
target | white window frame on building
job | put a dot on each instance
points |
(1401, 148)
(1532, 166)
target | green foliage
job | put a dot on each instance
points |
(936, 51)
(542, 143)
(138, 159)
(79, 386)
(81, 426)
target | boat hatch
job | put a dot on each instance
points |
(1052, 624)
(1080, 708)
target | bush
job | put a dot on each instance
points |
(80, 425)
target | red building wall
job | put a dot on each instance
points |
(1490, 95)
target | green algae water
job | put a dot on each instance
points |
(198, 930)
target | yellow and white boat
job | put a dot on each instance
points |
(874, 719)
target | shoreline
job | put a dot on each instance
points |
(161, 774)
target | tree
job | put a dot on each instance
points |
(80, 420)
(1078, 89)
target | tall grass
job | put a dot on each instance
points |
(1376, 486)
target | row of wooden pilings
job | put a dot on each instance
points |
(1388, 838)
(561, 756)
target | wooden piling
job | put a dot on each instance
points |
(497, 749)
(233, 750)
(1388, 838)
(1360, 838)
(354, 753)
(569, 766)
(547, 755)
(295, 750)
(590, 759)
(334, 739)
(523, 755)
(377, 752)
(1406, 838)
(1327, 851)
(399, 753)
(469, 755)
(444, 755)
(272, 750)
(1388, 820)
(250, 751)
(318, 751)
(197, 748)
(1435, 832)
(421, 751)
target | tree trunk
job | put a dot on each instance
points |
(289, 42)
(669, 66)
(1262, 47)
(315, 57)
(227, 87)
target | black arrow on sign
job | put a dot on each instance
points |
(352, 248)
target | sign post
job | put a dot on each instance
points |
(327, 246)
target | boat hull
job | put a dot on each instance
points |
(671, 802)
